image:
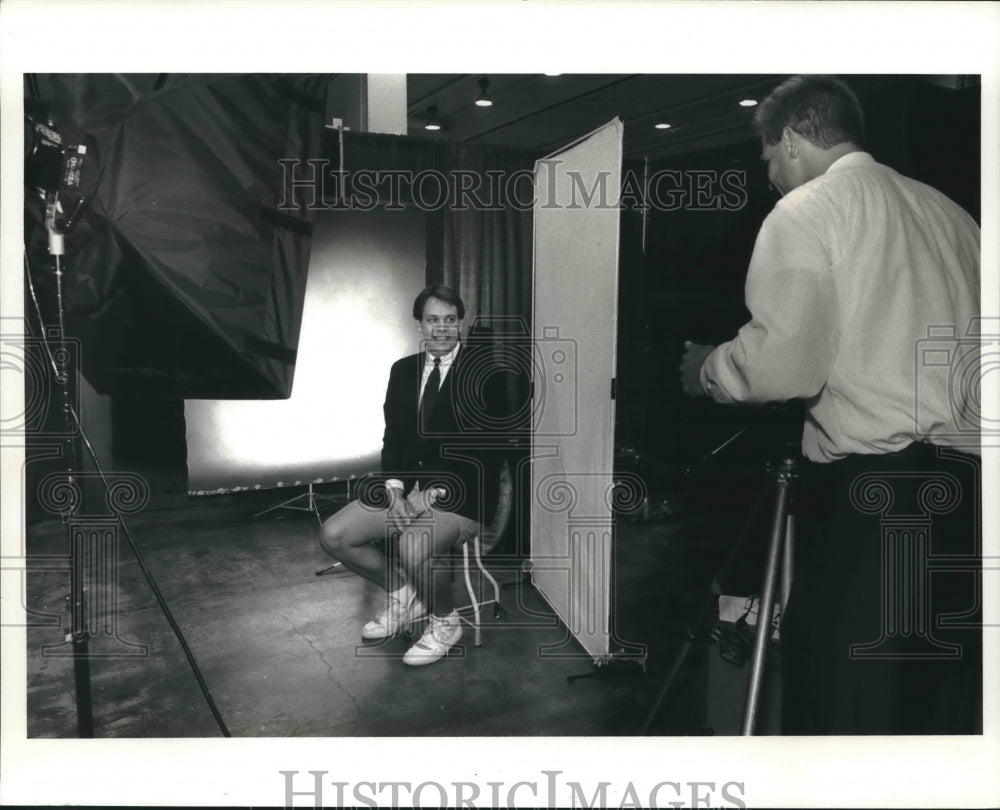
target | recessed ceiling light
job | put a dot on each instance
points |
(662, 126)
(552, 74)
(483, 99)
(748, 102)
(432, 124)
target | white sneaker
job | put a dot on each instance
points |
(440, 636)
(396, 617)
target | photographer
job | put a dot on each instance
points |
(854, 267)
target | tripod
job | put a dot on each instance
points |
(779, 553)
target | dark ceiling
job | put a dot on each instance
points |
(532, 111)
(544, 113)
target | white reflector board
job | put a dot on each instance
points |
(576, 227)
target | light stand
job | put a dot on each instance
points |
(76, 630)
(80, 610)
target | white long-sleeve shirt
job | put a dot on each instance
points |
(863, 290)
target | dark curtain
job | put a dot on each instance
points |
(480, 247)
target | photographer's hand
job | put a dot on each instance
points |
(690, 367)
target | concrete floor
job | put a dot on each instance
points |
(280, 648)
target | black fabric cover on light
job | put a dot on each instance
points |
(184, 278)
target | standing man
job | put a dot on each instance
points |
(439, 483)
(854, 268)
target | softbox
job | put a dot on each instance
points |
(186, 277)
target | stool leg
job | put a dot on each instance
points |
(476, 549)
(472, 595)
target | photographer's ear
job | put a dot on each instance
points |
(790, 142)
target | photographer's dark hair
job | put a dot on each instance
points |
(822, 109)
(441, 293)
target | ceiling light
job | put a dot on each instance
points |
(748, 102)
(483, 99)
(552, 74)
(662, 126)
(432, 122)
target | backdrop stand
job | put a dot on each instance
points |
(625, 657)
(618, 663)
(311, 500)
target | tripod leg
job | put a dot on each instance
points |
(314, 506)
(766, 607)
(679, 660)
(787, 561)
(707, 607)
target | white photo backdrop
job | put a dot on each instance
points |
(365, 269)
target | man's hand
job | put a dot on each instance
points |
(690, 367)
(422, 501)
(403, 511)
(400, 511)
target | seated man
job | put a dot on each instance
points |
(439, 482)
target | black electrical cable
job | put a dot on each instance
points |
(128, 533)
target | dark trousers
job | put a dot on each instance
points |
(882, 632)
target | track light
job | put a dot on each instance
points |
(432, 123)
(483, 99)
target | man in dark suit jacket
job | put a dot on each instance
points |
(439, 479)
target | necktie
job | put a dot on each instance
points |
(430, 395)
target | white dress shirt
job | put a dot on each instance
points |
(446, 363)
(862, 288)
